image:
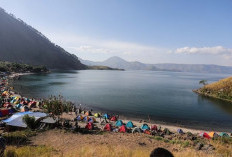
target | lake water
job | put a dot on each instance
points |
(164, 96)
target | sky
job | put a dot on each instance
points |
(150, 31)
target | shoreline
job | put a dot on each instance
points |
(164, 124)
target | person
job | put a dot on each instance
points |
(2, 146)
(161, 152)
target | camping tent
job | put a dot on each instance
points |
(223, 134)
(145, 127)
(114, 118)
(213, 134)
(108, 127)
(205, 135)
(89, 126)
(92, 120)
(97, 115)
(154, 127)
(166, 131)
(24, 109)
(180, 131)
(88, 113)
(136, 130)
(106, 116)
(119, 123)
(86, 119)
(122, 128)
(79, 118)
(17, 118)
(129, 124)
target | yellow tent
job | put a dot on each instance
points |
(97, 115)
(212, 134)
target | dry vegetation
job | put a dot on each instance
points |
(221, 89)
(62, 143)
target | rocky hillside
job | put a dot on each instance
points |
(221, 89)
(21, 43)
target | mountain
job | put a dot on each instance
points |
(21, 43)
(117, 62)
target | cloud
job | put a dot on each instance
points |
(217, 50)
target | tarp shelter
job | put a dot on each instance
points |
(213, 134)
(136, 130)
(119, 123)
(205, 135)
(108, 127)
(129, 124)
(97, 115)
(145, 127)
(106, 116)
(122, 128)
(49, 120)
(154, 127)
(180, 131)
(89, 126)
(17, 118)
(79, 118)
(114, 118)
(223, 134)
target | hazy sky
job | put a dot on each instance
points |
(151, 31)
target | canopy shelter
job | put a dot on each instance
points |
(17, 118)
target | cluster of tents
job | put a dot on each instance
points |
(213, 135)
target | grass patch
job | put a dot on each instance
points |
(28, 151)
(18, 137)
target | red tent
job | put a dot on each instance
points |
(113, 118)
(4, 112)
(89, 126)
(108, 127)
(154, 127)
(122, 129)
(205, 135)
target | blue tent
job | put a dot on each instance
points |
(129, 125)
(106, 116)
(79, 118)
(145, 127)
(86, 119)
(18, 106)
(119, 123)
(180, 131)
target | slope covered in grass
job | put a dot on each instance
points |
(221, 89)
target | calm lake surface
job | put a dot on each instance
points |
(164, 96)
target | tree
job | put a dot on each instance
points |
(204, 82)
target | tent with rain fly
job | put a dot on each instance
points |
(223, 134)
(119, 123)
(129, 124)
(213, 134)
(137, 130)
(92, 120)
(154, 128)
(180, 131)
(79, 118)
(123, 129)
(114, 118)
(86, 118)
(97, 115)
(145, 127)
(108, 127)
(106, 116)
(205, 135)
(89, 126)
